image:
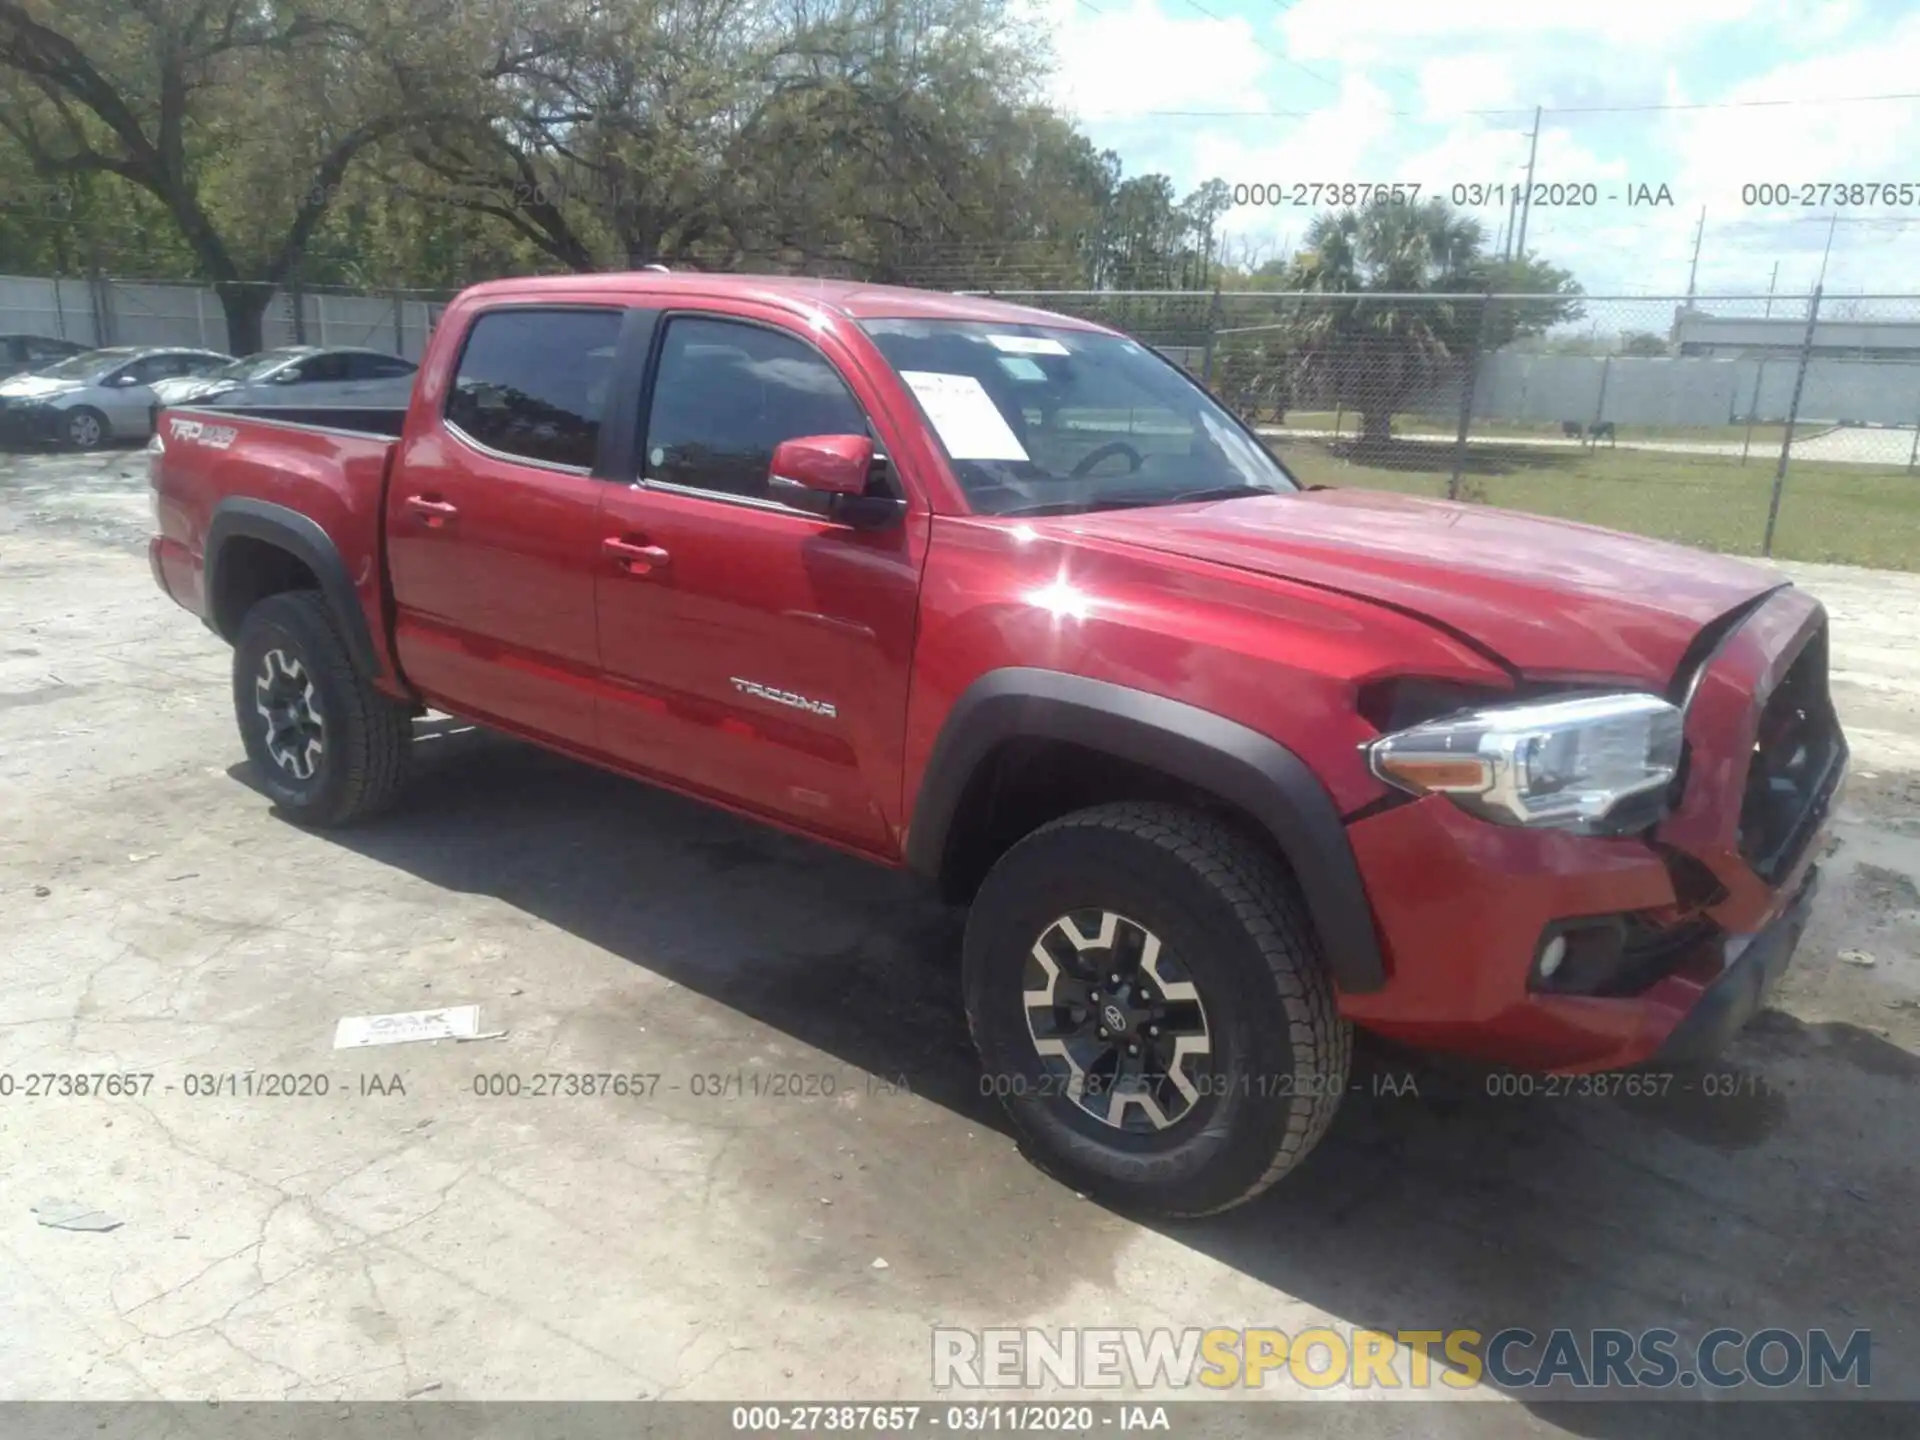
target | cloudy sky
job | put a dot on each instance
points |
(1388, 90)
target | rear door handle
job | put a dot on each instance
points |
(436, 511)
(633, 556)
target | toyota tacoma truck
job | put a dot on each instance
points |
(1224, 765)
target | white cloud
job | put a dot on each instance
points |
(1403, 77)
(1342, 28)
(1121, 63)
(1478, 80)
(1716, 153)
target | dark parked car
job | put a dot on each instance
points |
(20, 354)
(297, 375)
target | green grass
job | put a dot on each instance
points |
(1765, 439)
(1844, 514)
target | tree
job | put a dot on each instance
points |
(240, 120)
(1427, 265)
(263, 143)
(1643, 342)
(890, 138)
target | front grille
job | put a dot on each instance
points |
(1796, 762)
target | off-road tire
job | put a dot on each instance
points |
(1280, 1051)
(367, 737)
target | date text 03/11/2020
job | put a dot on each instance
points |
(1317, 194)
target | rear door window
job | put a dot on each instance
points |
(533, 383)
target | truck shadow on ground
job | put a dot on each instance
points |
(1769, 1195)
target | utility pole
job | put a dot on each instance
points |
(1526, 195)
(1831, 224)
(1770, 284)
(1506, 227)
(1694, 269)
(1793, 416)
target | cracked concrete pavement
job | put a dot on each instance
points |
(402, 1231)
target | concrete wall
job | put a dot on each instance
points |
(117, 313)
(1634, 390)
(1785, 333)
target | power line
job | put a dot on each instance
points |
(1509, 110)
(1287, 5)
(1283, 59)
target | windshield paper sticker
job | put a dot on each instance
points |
(969, 423)
(1026, 345)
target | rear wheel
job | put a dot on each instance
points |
(86, 429)
(325, 744)
(1149, 1002)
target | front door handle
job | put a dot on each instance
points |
(433, 509)
(633, 556)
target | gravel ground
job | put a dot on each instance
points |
(163, 920)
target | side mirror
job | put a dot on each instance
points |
(829, 475)
(828, 464)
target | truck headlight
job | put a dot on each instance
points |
(1593, 764)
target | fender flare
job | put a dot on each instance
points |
(1253, 772)
(301, 537)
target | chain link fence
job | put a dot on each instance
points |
(1786, 426)
(1777, 425)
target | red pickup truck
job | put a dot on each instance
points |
(1224, 764)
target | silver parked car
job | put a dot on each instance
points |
(20, 354)
(301, 375)
(96, 397)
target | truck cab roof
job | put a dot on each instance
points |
(857, 300)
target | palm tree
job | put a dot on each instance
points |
(1407, 332)
(1374, 354)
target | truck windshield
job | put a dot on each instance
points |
(1044, 420)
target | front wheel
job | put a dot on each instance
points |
(325, 744)
(1150, 1004)
(86, 429)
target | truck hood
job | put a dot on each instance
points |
(1548, 596)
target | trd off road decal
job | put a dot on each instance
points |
(217, 437)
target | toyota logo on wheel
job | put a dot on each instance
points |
(1115, 1020)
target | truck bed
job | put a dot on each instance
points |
(317, 473)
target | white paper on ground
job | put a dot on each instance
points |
(965, 415)
(452, 1022)
(1026, 345)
